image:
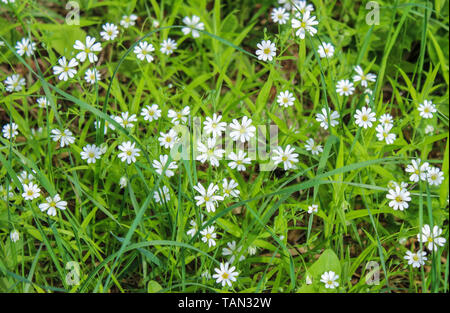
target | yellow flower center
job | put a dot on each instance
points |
(52, 204)
(225, 275)
(266, 51)
(398, 199)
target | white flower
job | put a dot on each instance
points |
(305, 23)
(30, 191)
(165, 195)
(323, 118)
(363, 78)
(52, 204)
(191, 232)
(238, 160)
(417, 170)
(386, 119)
(208, 197)
(230, 188)
(225, 274)
(92, 76)
(383, 133)
(155, 24)
(128, 21)
(427, 109)
(10, 130)
(314, 208)
(429, 129)
(243, 131)
(399, 198)
(110, 31)
(209, 152)
(326, 50)
(65, 70)
(301, 6)
(6, 192)
(65, 137)
(25, 178)
(252, 250)
(91, 153)
(209, 236)
(330, 279)
(126, 120)
(287, 157)
(364, 117)
(151, 113)
(122, 182)
(367, 95)
(42, 102)
(431, 239)
(233, 251)
(311, 146)
(193, 25)
(25, 46)
(87, 50)
(129, 152)
(285, 99)
(168, 46)
(416, 259)
(14, 83)
(435, 176)
(143, 51)
(168, 140)
(107, 125)
(160, 165)
(214, 126)
(14, 236)
(266, 50)
(345, 87)
(280, 16)
(178, 116)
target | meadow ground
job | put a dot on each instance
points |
(224, 146)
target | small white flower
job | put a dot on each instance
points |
(129, 152)
(427, 109)
(65, 137)
(214, 126)
(14, 83)
(363, 78)
(14, 236)
(233, 252)
(6, 193)
(209, 152)
(209, 236)
(266, 50)
(287, 157)
(160, 165)
(431, 239)
(126, 120)
(383, 133)
(225, 274)
(326, 50)
(208, 197)
(285, 99)
(386, 119)
(304, 23)
(168, 46)
(243, 131)
(399, 198)
(279, 15)
(107, 124)
(92, 76)
(65, 70)
(238, 160)
(435, 176)
(193, 24)
(429, 129)
(128, 21)
(91, 153)
(10, 130)
(311, 146)
(25, 46)
(143, 51)
(417, 170)
(110, 31)
(230, 188)
(122, 182)
(314, 208)
(25, 178)
(252, 250)
(88, 49)
(151, 113)
(301, 6)
(168, 140)
(42, 102)
(53, 203)
(323, 118)
(367, 95)
(364, 117)
(416, 259)
(330, 279)
(345, 87)
(178, 116)
(30, 191)
(162, 195)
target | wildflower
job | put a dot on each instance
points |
(14, 236)
(25, 178)
(323, 118)
(14, 83)
(143, 51)
(435, 176)
(42, 102)
(383, 133)
(416, 259)
(209, 236)
(314, 208)
(65, 137)
(88, 49)
(128, 21)
(417, 170)
(386, 119)
(193, 24)
(252, 250)
(287, 156)
(178, 116)
(238, 160)
(168, 46)
(160, 165)
(330, 279)
(6, 192)
(427, 109)
(326, 50)
(92, 76)
(399, 198)
(209, 152)
(364, 117)
(233, 251)
(110, 31)
(53, 203)
(208, 197)
(367, 95)
(107, 124)
(363, 78)
(266, 50)
(65, 70)
(279, 15)
(162, 195)
(431, 239)
(91, 153)
(122, 182)
(151, 113)
(345, 87)
(25, 46)
(285, 99)
(311, 146)
(194, 227)
(214, 126)
(301, 6)
(225, 274)
(126, 120)
(243, 131)
(30, 191)
(168, 140)
(429, 129)
(230, 188)
(10, 130)
(129, 152)
(305, 23)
